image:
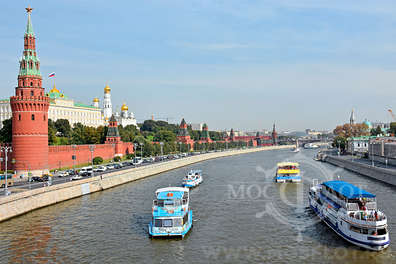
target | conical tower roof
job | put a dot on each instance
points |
(29, 27)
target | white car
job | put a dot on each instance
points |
(62, 174)
(137, 161)
(100, 169)
(85, 171)
(76, 177)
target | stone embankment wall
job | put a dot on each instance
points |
(21, 203)
(381, 174)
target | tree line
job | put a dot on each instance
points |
(148, 138)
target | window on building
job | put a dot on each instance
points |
(31, 93)
(44, 117)
(33, 117)
(19, 117)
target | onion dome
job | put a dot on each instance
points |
(124, 107)
(54, 90)
(96, 100)
(107, 89)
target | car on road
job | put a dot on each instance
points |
(76, 177)
(117, 165)
(62, 174)
(137, 161)
(71, 172)
(126, 163)
(110, 166)
(43, 178)
(86, 171)
(100, 169)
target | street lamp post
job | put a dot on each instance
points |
(162, 150)
(6, 149)
(135, 145)
(92, 148)
(74, 157)
(372, 154)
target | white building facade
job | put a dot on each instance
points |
(62, 107)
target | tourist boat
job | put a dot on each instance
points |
(288, 172)
(295, 150)
(171, 215)
(310, 146)
(192, 179)
(351, 212)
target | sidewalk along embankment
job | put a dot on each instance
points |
(387, 176)
(23, 202)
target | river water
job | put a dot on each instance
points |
(240, 216)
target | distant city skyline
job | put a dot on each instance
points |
(230, 64)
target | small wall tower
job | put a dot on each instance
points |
(274, 136)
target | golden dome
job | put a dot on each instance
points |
(124, 107)
(96, 100)
(54, 90)
(107, 89)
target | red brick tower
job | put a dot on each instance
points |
(113, 136)
(205, 138)
(274, 136)
(30, 112)
(183, 135)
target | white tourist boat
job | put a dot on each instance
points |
(295, 150)
(171, 215)
(352, 213)
(192, 179)
(310, 146)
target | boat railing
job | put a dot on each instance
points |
(367, 216)
(334, 198)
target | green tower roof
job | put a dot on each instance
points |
(29, 27)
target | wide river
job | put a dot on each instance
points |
(240, 216)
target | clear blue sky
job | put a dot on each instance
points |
(230, 63)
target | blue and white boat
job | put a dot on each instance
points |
(352, 213)
(288, 172)
(192, 179)
(171, 215)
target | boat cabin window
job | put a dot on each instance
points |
(177, 222)
(382, 231)
(359, 230)
(158, 223)
(163, 203)
(167, 222)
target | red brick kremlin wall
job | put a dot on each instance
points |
(61, 156)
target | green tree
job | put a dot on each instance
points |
(392, 128)
(52, 140)
(377, 131)
(164, 136)
(97, 160)
(63, 127)
(340, 142)
(78, 134)
(6, 131)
